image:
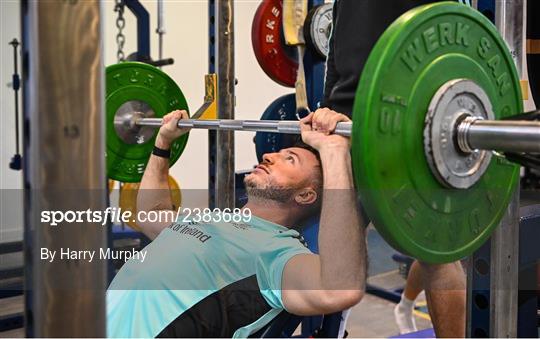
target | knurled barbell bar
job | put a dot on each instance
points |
(471, 133)
(429, 108)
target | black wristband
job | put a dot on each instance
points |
(164, 153)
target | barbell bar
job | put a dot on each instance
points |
(270, 126)
(471, 134)
(505, 136)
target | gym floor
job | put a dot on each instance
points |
(374, 317)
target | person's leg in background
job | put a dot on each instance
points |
(403, 312)
(445, 287)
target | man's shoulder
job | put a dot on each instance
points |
(284, 244)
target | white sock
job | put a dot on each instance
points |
(403, 313)
(406, 304)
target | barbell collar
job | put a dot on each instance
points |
(499, 135)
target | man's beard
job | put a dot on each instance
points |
(270, 191)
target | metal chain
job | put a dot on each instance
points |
(120, 24)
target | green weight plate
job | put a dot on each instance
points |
(422, 50)
(141, 83)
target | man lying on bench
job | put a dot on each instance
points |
(210, 276)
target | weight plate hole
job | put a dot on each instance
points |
(481, 266)
(481, 301)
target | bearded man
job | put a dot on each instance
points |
(227, 278)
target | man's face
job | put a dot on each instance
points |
(280, 175)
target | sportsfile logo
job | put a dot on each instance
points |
(102, 217)
(114, 214)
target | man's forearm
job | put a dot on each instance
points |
(342, 245)
(154, 191)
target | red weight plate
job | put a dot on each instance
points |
(276, 59)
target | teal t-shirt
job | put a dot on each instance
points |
(188, 263)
